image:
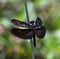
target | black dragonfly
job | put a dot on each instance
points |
(33, 29)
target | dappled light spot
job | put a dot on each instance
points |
(2, 29)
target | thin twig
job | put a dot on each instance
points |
(32, 48)
(31, 42)
(26, 11)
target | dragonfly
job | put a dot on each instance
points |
(31, 29)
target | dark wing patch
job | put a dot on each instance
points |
(38, 22)
(20, 23)
(40, 32)
(22, 33)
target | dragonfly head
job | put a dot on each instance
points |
(32, 22)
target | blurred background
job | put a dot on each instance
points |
(12, 47)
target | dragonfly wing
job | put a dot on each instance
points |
(40, 32)
(22, 33)
(38, 22)
(20, 23)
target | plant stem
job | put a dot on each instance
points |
(26, 11)
(32, 48)
(31, 42)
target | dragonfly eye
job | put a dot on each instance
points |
(31, 22)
